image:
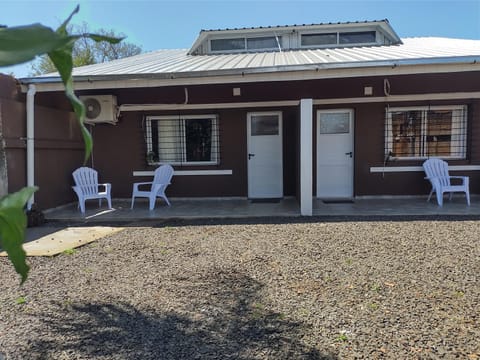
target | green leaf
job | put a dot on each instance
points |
(21, 44)
(24, 43)
(13, 222)
(62, 29)
(99, 38)
(63, 61)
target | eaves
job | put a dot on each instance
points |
(261, 74)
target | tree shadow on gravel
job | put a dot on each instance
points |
(222, 317)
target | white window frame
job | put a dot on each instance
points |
(215, 153)
(459, 142)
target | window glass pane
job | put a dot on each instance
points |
(319, 39)
(169, 140)
(198, 139)
(439, 133)
(264, 125)
(427, 132)
(182, 140)
(262, 43)
(227, 44)
(357, 37)
(334, 123)
(407, 127)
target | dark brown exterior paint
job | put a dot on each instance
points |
(125, 143)
(58, 147)
(119, 150)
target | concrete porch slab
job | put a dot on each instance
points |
(180, 209)
(188, 209)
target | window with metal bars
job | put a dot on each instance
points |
(182, 140)
(423, 132)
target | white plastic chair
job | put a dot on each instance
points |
(87, 187)
(437, 173)
(161, 180)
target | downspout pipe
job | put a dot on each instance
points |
(30, 140)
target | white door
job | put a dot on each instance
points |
(335, 153)
(265, 158)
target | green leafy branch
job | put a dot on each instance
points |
(18, 45)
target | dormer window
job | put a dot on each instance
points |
(338, 38)
(319, 39)
(265, 42)
(361, 37)
(227, 44)
(244, 44)
(294, 37)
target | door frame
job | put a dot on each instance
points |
(280, 152)
(352, 143)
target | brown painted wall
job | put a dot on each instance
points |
(292, 90)
(369, 151)
(58, 146)
(119, 150)
(125, 141)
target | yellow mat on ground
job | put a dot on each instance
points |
(69, 238)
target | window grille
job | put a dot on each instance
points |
(422, 132)
(182, 140)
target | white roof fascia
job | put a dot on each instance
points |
(285, 73)
(201, 37)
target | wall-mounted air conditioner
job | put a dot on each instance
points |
(100, 109)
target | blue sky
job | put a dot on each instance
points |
(159, 24)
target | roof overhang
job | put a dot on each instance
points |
(274, 73)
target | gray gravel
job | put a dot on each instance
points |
(298, 290)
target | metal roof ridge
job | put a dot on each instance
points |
(293, 25)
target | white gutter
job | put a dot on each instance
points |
(30, 140)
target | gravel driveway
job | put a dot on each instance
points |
(294, 289)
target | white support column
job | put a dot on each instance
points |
(30, 140)
(306, 158)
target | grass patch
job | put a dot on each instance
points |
(20, 300)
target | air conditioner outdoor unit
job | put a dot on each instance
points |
(100, 109)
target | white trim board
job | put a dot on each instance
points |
(187, 172)
(392, 169)
(253, 104)
(397, 98)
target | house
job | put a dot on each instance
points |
(333, 110)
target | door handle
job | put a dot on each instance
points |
(250, 156)
(349, 153)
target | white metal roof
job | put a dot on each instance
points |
(174, 63)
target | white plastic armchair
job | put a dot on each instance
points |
(437, 173)
(87, 187)
(156, 188)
